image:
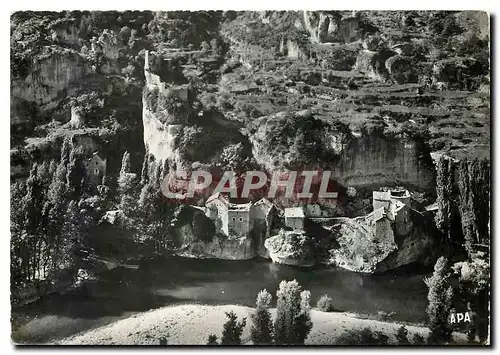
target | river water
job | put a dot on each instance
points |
(122, 292)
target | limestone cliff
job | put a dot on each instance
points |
(291, 248)
(370, 158)
(50, 77)
(196, 236)
(378, 159)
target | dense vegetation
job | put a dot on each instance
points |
(270, 86)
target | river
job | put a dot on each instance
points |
(122, 292)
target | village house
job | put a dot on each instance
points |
(393, 206)
(95, 168)
(238, 220)
(316, 210)
(294, 218)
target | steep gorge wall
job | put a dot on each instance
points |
(371, 159)
(377, 160)
(49, 79)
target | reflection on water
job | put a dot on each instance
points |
(122, 292)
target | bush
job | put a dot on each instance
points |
(208, 101)
(418, 339)
(362, 337)
(231, 334)
(212, 340)
(224, 102)
(402, 335)
(325, 304)
(203, 227)
(261, 331)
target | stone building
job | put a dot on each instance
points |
(316, 210)
(381, 199)
(294, 218)
(392, 207)
(95, 168)
(238, 220)
(384, 198)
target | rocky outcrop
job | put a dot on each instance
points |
(159, 138)
(291, 248)
(49, 77)
(370, 159)
(417, 247)
(220, 248)
(372, 63)
(196, 237)
(330, 26)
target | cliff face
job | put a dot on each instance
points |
(49, 77)
(159, 138)
(330, 26)
(374, 159)
(367, 159)
(197, 237)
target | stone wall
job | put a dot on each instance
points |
(239, 222)
(296, 223)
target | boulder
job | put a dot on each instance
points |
(373, 63)
(291, 248)
(374, 43)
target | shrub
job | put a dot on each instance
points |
(362, 337)
(209, 101)
(402, 335)
(293, 321)
(325, 304)
(231, 334)
(261, 331)
(418, 339)
(224, 102)
(212, 340)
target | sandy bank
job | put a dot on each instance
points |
(192, 324)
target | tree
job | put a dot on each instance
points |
(293, 321)
(444, 215)
(440, 297)
(261, 330)
(474, 285)
(474, 188)
(212, 340)
(126, 186)
(231, 334)
(124, 35)
(402, 336)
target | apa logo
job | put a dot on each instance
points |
(460, 317)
